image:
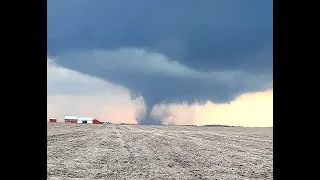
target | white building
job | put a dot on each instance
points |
(71, 119)
(88, 120)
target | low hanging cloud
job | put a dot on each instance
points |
(160, 80)
(73, 93)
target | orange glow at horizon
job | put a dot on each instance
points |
(250, 110)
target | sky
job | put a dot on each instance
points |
(161, 62)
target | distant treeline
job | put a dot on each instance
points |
(127, 124)
(218, 125)
(212, 125)
(208, 125)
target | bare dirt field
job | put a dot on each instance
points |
(96, 151)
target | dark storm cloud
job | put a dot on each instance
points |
(192, 50)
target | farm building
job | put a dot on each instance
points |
(95, 121)
(71, 119)
(52, 119)
(88, 120)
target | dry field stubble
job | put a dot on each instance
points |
(89, 151)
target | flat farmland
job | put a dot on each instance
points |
(90, 151)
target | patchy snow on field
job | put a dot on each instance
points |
(91, 151)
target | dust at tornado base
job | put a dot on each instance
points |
(90, 151)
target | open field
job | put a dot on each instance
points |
(89, 151)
